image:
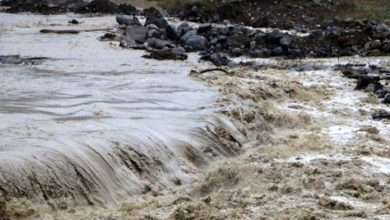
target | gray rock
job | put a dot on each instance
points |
(237, 52)
(382, 31)
(127, 20)
(188, 35)
(171, 33)
(371, 45)
(260, 37)
(256, 53)
(152, 27)
(137, 33)
(183, 28)
(154, 16)
(159, 44)
(274, 37)
(386, 99)
(278, 51)
(128, 42)
(285, 41)
(196, 42)
(153, 33)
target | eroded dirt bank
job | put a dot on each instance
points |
(312, 151)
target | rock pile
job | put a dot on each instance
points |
(371, 79)
(219, 42)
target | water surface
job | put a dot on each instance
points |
(93, 114)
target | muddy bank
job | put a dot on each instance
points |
(293, 14)
(65, 6)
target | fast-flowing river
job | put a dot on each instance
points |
(94, 121)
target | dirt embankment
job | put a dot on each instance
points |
(291, 14)
(281, 14)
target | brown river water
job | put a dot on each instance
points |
(95, 122)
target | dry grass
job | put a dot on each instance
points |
(372, 9)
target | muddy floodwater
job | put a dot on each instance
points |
(93, 120)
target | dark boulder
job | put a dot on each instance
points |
(155, 32)
(159, 44)
(381, 115)
(74, 21)
(196, 42)
(183, 28)
(277, 51)
(109, 37)
(274, 37)
(154, 16)
(172, 33)
(218, 59)
(260, 37)
(386, 99)
(286, 41)
(381, 93)
(204, 28)
(381, 31)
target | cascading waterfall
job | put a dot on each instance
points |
(94, 122)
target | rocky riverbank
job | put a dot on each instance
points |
(64, 6)
(216, 43)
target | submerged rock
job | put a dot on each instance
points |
(16, 59)
(74, 21)
(176, 53)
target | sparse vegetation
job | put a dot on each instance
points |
(370, 9)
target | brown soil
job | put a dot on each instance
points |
(269, 13)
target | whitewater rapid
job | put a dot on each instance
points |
(96, 122)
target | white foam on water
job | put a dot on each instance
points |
(95, 119)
